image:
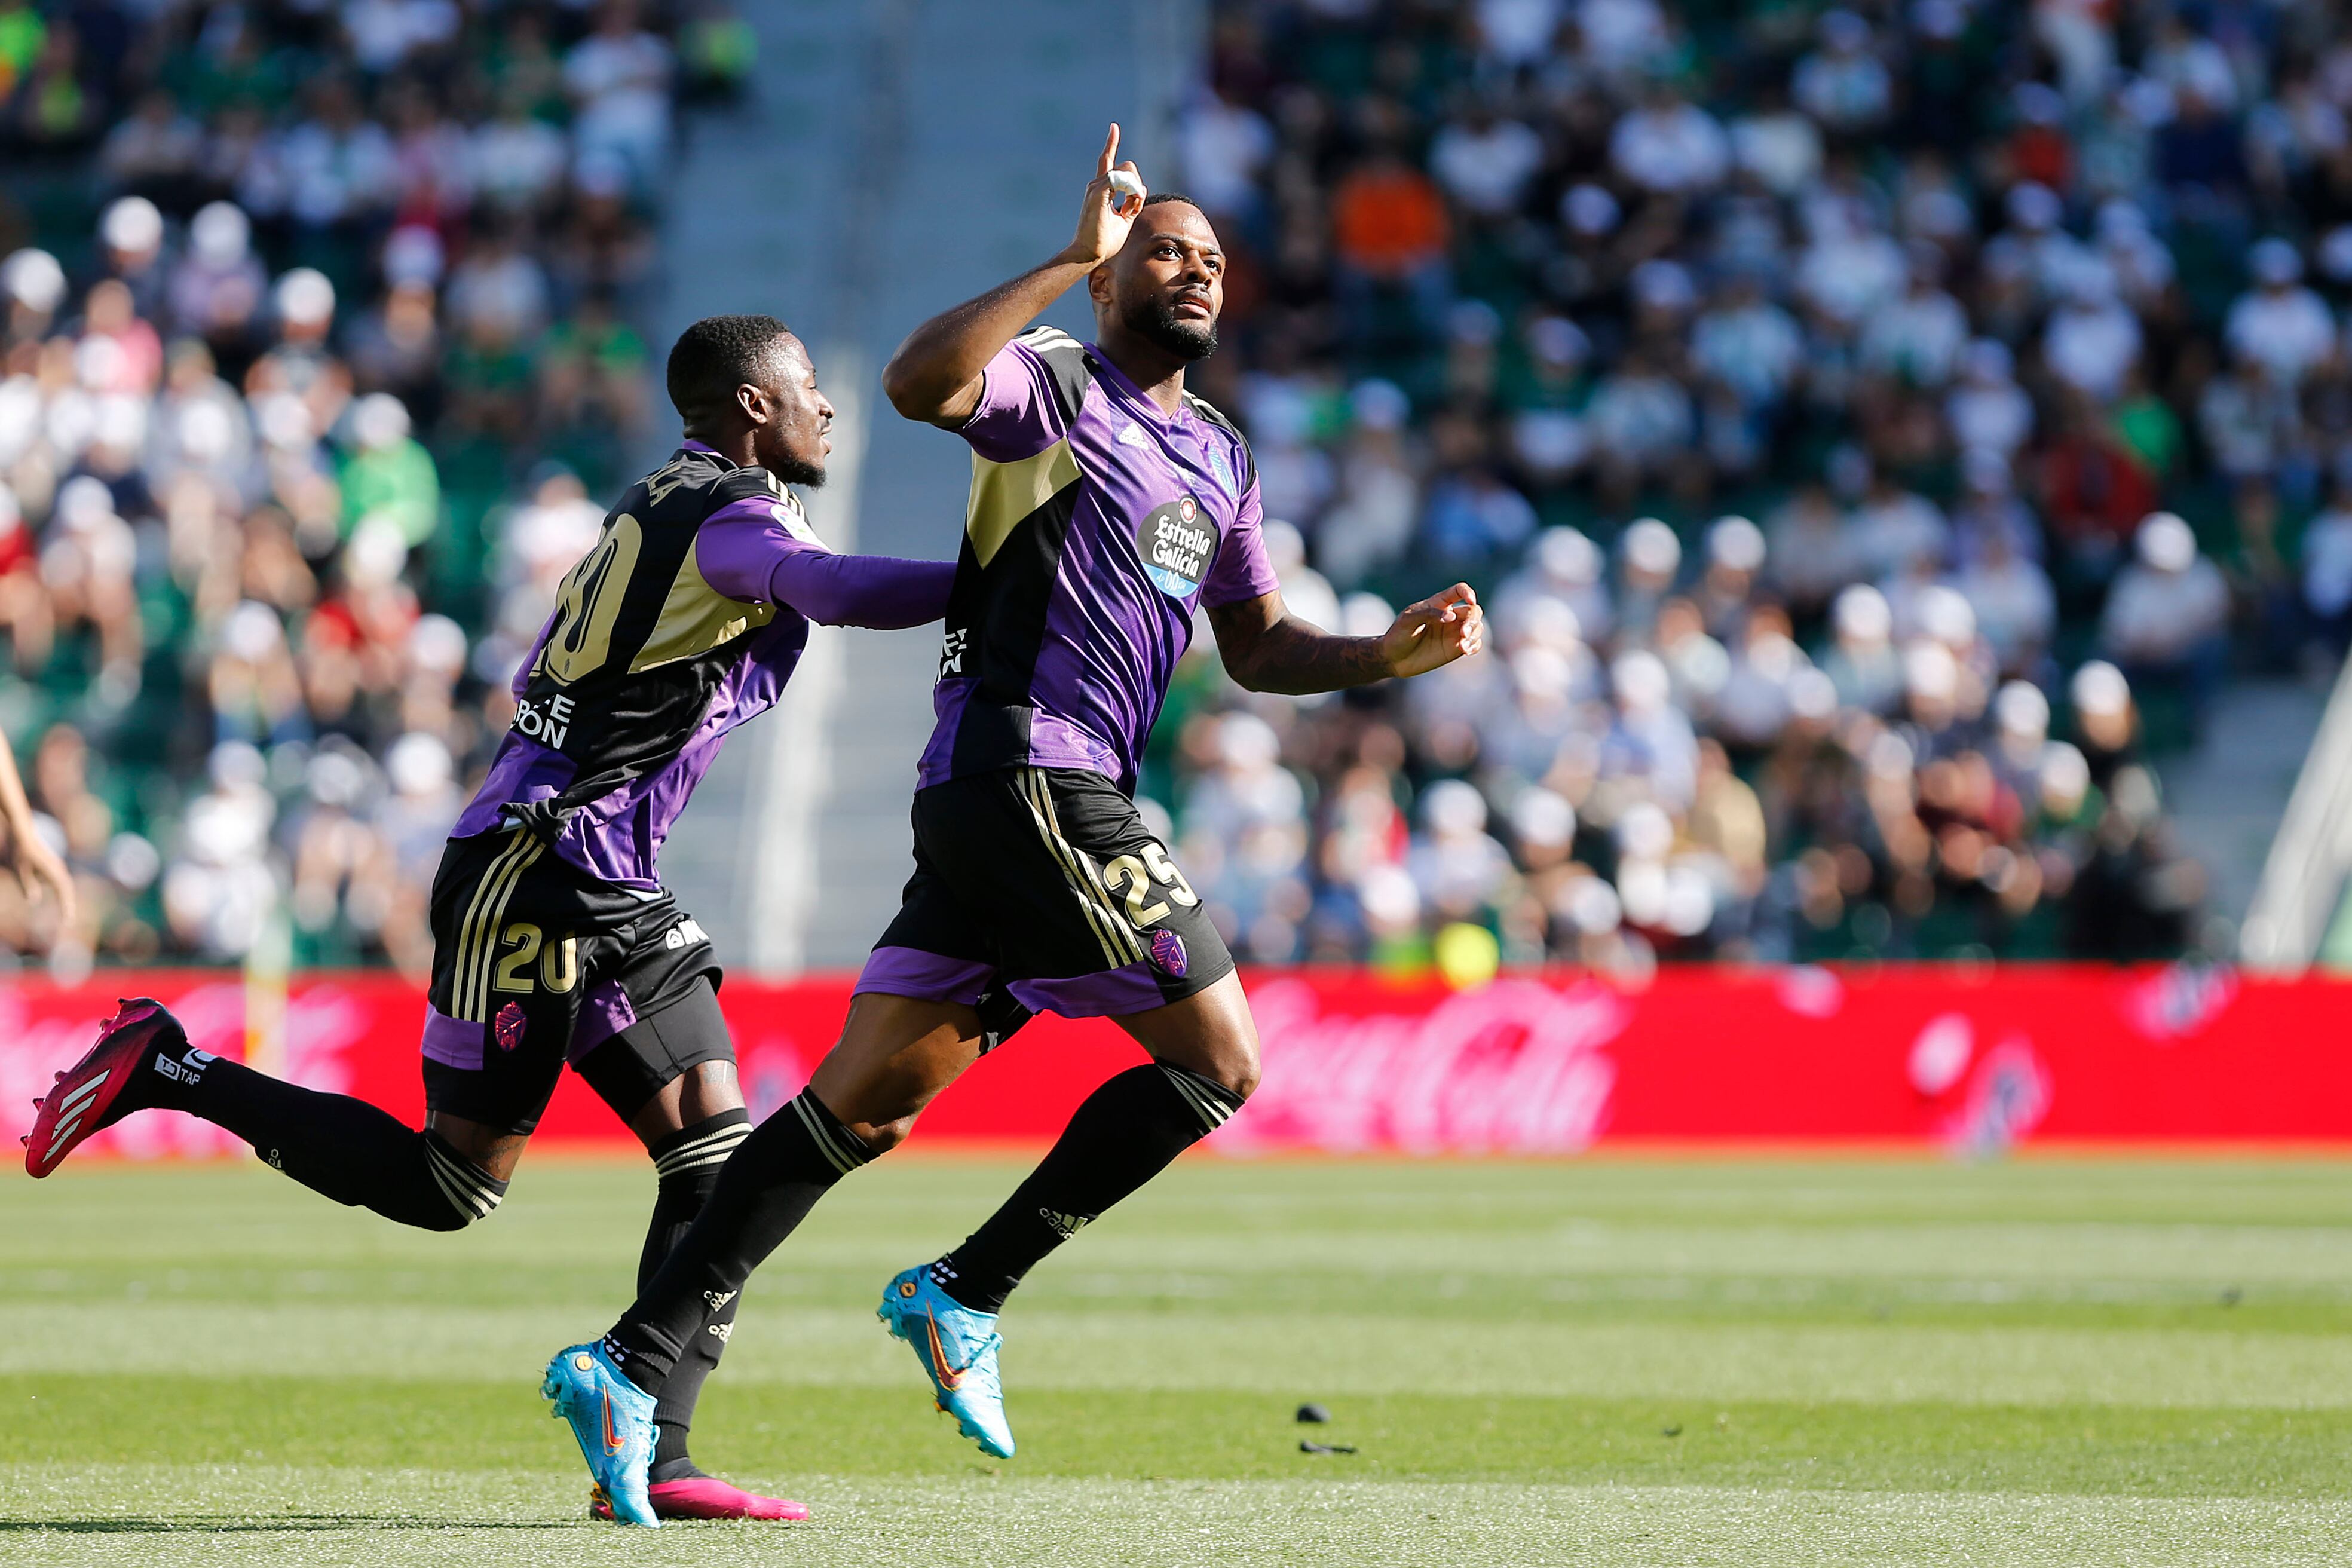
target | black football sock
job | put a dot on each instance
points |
(765, 1189)
(687, 1163)
(332, 1144)
(1125, 1133)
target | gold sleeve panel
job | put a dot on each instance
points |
(1002, 494)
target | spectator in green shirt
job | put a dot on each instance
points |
(386, 473)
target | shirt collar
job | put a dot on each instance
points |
(1129, 392)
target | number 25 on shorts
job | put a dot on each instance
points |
(1137, 876)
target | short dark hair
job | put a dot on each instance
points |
(715, 357)
(1156, 197)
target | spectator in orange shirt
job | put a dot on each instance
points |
(1389, 231)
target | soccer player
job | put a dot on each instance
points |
(554, 940)
(1107, 503)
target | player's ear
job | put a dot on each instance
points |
(754, 403)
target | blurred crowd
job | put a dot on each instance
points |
(1874, 431)
(314, 348)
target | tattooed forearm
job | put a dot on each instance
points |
(1296, 657)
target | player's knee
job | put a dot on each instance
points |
(1242, 1076)
(1236, 1072)
(455, 1191)
(884, 1136)
(1231, 1062)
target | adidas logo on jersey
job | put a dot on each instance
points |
(1133, 436)
(722, 1332)
(718, 1299)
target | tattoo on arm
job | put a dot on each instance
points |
(1296, 657)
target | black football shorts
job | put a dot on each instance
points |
(536, 964)
(1044, 883)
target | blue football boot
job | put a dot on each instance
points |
(958, 1349)
(614, 1420)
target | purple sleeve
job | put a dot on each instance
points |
(761, 552)
(1241, 570)
(1019, 415)
(877, 590)
(523, 671)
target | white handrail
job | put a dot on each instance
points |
(2304, 876)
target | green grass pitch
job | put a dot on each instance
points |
(1614, 1362)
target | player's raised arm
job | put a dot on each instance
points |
(935, 374)
(36, 865)
(1267, 649)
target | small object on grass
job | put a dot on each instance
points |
(1307, 1447)
(1316, 1414)
(2233, 1296)
(1674, 1431)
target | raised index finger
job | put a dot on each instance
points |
(1109, 151)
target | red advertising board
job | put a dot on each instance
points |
(1528, 1064)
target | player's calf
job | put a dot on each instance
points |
(338, 1146)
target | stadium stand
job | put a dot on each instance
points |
(2035, 390)
(316, 350)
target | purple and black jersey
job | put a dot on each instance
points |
(684, 622)
(1098, 523)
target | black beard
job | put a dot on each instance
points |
(1156, 322)
(797, 471)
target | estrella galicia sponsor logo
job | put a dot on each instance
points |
(1176, 543)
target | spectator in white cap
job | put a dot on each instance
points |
(35, 286)
(1755, 701)
(1735, 558)
(1932, 682)
(1457, 866)
(1561, 564)
(131, 235)
(2021, 714)
(1650, 556)
(1861, 661)
(301, 364)
(1651, 751)
(216, 288)
(2166, 624)
(2279, 323)
(2105, 717)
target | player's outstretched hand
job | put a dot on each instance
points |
(1443, 627)
(39, 869)
(1110, 208)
